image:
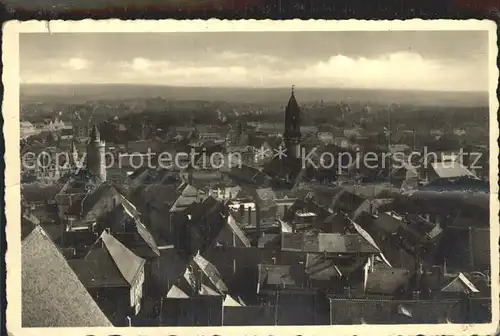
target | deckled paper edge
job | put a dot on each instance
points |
(10, 108)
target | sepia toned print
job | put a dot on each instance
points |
(264, 177)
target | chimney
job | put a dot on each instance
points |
(437, 273)
(63, 229)
(199, 279)
(242, 211)
(348, 291)
(71, 221)
(257, 221)
(249, 215)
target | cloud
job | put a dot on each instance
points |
(76, 63)
(399, 70)
(241, 58)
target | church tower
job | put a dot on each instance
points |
(292, 134)
(96, 155)
(74, 155)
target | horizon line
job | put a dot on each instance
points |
(257, 88)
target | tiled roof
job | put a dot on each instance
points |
(460, 284)
(156, 194)
(231, 222)
(445, 201)
(28, 224)
(210, 283)
(125, 218)
(362, 232)
(326, 242)
(269, 240)
(52, 294)
(387, 222)
(188, 196)
(462, 183)
(108, 263)
(96, 196)
(176, 293)
(321, 268)
(118, 177)
(230, 302)
(451, 169)
(35, 193)
(277, 275)
(211, 272)
(347, 311)
(386, 280)
(250, 175)
(347, 201)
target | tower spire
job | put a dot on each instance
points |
(292, 126)
(96, 155)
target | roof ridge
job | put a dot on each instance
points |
(31, 235)
(108, 240)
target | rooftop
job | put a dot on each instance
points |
(52, 294)
(326, 242)
(108, 264)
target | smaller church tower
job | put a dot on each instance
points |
(292, 135)
(74, 155)
(96, 155)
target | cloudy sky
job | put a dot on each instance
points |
(450, 61)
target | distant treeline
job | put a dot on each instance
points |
(80, 93)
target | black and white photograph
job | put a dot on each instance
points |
(215, 175)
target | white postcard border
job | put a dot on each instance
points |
(10, 108)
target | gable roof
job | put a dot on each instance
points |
(96, 196)
(320, 268)
(460, 284)
(230, 302)
(210, 284)
(176, 293)
(211, 272)
(52, 294)
(108, 264)
(231, 222)
(133, 214)
(126, 225)
(28, 224)
(188, 196)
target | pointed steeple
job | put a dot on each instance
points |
(292, 134)
(73, 147)
(94, 134)
(292, 117)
